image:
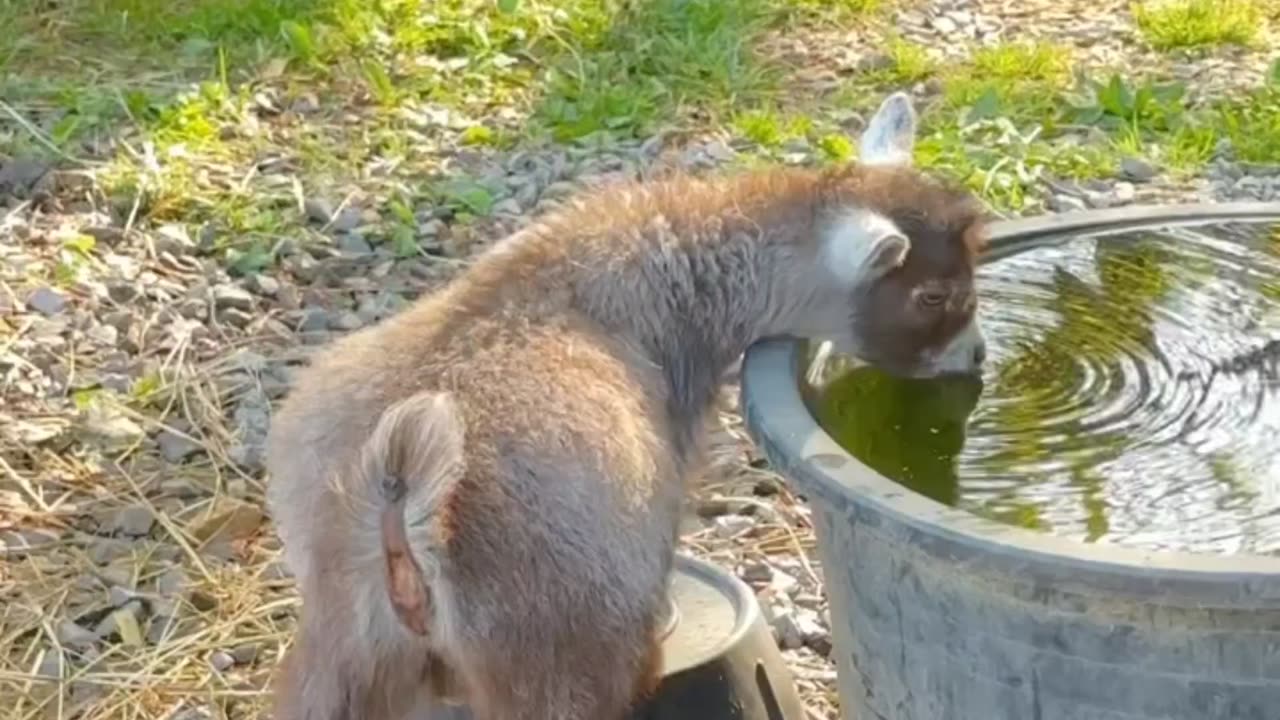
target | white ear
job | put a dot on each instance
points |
(861, 245)
(890, 135)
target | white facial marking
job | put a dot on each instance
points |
(861, 244)
(890, 134)
(960, 355)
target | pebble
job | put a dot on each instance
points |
(111, 429)
(134, 521)
(1124, 192)
(1061, 202)
(176, 448)
(313, 318)
(160, 628)
(231, 296)
(729, 526)
(51, 665)
(1137, 169)
(75, 635)
(236, 317)
(354, 245)
(174, 239)
(104, 334)
(347, 220)
(264, 285)
(122, 292)
(345, 321)
(756, 572)
(245, 654)
(222, 660)
(172, 582)
(46, 301)
(21, 174)
(318, 210)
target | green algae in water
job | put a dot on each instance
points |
(1132, 395)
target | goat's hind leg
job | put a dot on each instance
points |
(584, 678)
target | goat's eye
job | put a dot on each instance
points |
(931, 298)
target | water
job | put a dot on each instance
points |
(1132, 395)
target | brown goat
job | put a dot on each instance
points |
(479, 497)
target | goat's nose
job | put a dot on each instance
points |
(980, 353)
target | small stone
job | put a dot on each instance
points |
(105, 335)
(720, 151)
(510, 206)
(232, 296)
(121, 320)
(104, 550)
(221, 661)
(119, 595)
(160, 628)
(346, 321)
(134, 521)
(1061, 202)
(245, 654)
(111, 429)
(1124, 192)
(174, 239)
(944, 24)
(123, 291)
(757, 572)
(313, 319)
(18, 542)
(75, 635)
(176, 448)
(786, 629)
(318, 210)
(728, 526)
(430, 228)
(264, 285)
(202, 601)
(1137, 169)
(875, 61)
(235, 317)
(193, 309)
(306, 104)
(51, 665)
(20, 174)
(172, 582)
(46, 301)
(347, 220)
(379, 306)
(783, 584)
(354, 245)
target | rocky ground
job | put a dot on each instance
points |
(156, 296)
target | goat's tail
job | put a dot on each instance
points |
(406, 475)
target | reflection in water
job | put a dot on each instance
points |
(1130, 397)
(910, 430)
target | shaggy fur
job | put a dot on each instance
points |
(479, 497)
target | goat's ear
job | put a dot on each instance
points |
(890, 135)
(862, 245)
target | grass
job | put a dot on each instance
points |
(222, 119)
(1169, 24)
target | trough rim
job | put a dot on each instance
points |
(779, 421)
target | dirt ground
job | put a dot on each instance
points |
(182, 223)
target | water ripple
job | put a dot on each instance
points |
(1132, 391)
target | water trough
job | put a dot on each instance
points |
(939, 614)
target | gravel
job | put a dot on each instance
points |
(157, 335)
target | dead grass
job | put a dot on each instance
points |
(222, 120)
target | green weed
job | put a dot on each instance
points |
(1253, 125)
(659, 58)
(1168, 24)
(1020, 81)
(904, 63)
